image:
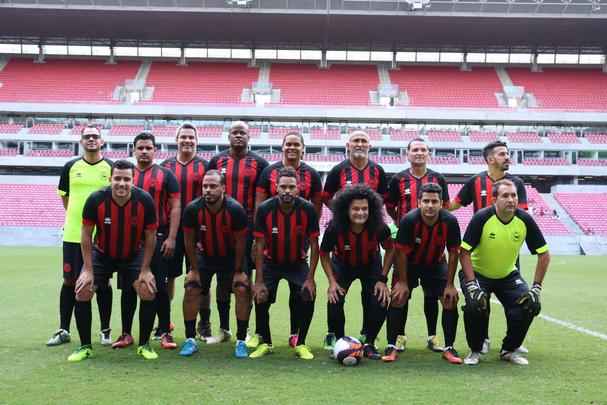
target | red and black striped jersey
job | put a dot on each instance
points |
(162, 185)
(404, 186)
(344, 174)
(308, 181)
(119, 229)
(189, 177)
(215, 231)
(286, 235)
(477, 190)
(355, 249)
(241, 176)
(425, 245)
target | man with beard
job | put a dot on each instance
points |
(402, 197)
(477, 190)
(79, 178)
(217, 225)
(162, 186)
(310, 189)
(356, 169)
(285, 226)
(241, 169)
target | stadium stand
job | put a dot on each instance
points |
(564, 89)
(374, 133)
(8, 151)
(126, 130)
(546, 162)
(338, 85)
(476, 160)
(116, 154)
(599, 138)
(444, 160)
(403, 135)
(482, 136)
(63, 81)
(46, 129)
(279, 132)
(51, 153)
(6, 128)
(165, 130)
(563, 137)
(544, 215)
(438, 86)
(523, 137)
(333, 133)
(254, 132)
(199, 83)
(592, 162)
(587, 210)
(211, 131)
(31, 205)
(318, 133)
(443, 136)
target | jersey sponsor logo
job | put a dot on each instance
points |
(492, 235)
(348, 182)
(407, 191)
(78, 174)
(347, 247)
(107, 221)
(275, 230)
(203, 228)
(418, 241)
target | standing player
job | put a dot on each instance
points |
(285, 226)
(477, 190)
(422, 237)
(242, 170)
(218, 225)
(310, 189)
(189, 170)
(79, 178)
(490, 250)
(402, 197)
(122, 218)
(357, 168)
(161, 184)
(353, 237)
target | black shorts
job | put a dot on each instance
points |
(224, 271)
(368, 275)
(507, 290)
(433, 279)
(104, 267)
(295, 273)
(72, 260)
(161, 265)
(175, 263)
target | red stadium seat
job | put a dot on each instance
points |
(586, 209)
(30, 205)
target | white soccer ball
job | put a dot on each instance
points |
(348, 351)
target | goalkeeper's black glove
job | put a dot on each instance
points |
(530, 301)
(478, 298)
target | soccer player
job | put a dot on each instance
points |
(477, 190)
(422, 237)
(490, 249)
(285, 226)
(310, 189)
(350, 251)
(402, 197)
(123, 219)
(189, 170)
(162, 186)
(357, 168)
(242, 170)
(79, 178)
(217, 224)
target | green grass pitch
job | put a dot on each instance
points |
(566, 366)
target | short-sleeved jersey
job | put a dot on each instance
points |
(78, 180)
(286, 235)
(241, 176)
(344, 174)
(189, 177)
(478, 190)
(495, 245)
(308, 180)
(425, 245)
(404, 186)
(119, 229)
(215, 231)
(355, 249)
(161, 184)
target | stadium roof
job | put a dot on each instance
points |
(314, 24)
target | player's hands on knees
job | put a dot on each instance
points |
(308, 290)
(530, 301)
(334, 292)
(400, 293)
(260, 292)
(168, 247)
(192, 278)
(240, 280)
(381, 292)
(253, 252)
(85, 287)
(146, 285)
(478, 297)
(450, 297)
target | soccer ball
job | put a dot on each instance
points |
(348, 351)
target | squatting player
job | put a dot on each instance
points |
(310, 189)
(422, 237)
(285, 226)
(123, 219)
(215, 229)
(490, 249)
(162, 186)
(79, 178)
(350, 251)
(402, 197)
(357, 168)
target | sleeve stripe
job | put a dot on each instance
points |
(466, 246)
(542, 249)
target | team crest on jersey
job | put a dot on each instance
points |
(492, 235)
(107, 221)
(516, 236)
(78, 174)
(275, 230)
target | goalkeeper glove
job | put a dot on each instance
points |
(478, 298)
(530, 301)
